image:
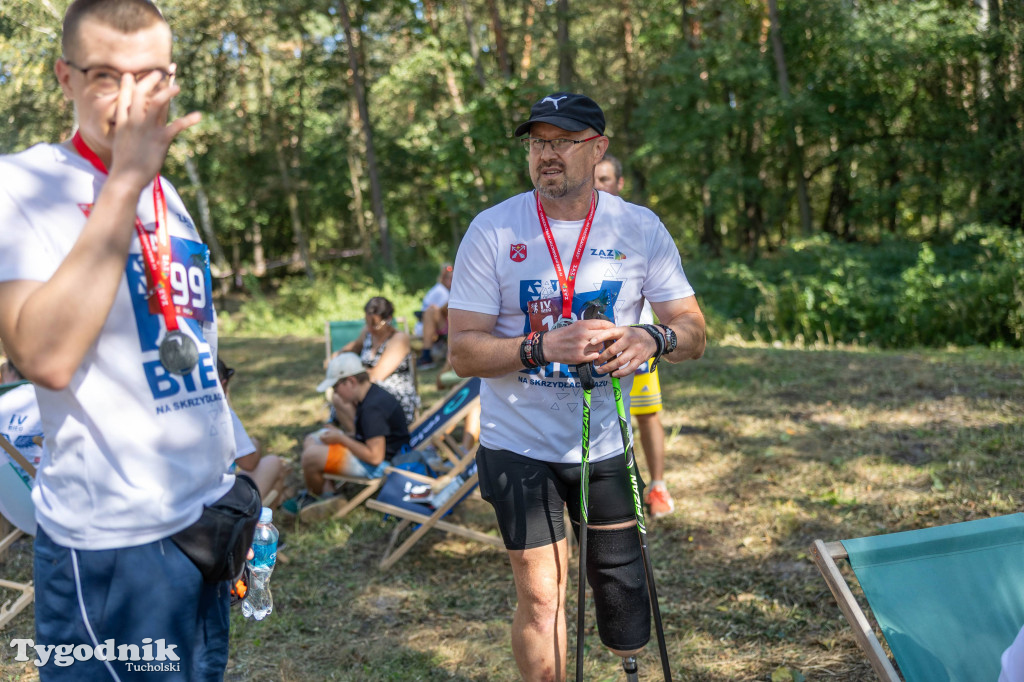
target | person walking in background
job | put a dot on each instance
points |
(645, 396)
(524, 273)
(138, 434)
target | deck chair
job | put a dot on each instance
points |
(338, 333)
(949, 600)
(430, 428)
(397, 498)
(25, 591)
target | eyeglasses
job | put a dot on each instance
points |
(106, 80)
(561, 145)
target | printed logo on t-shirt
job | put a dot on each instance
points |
(541, 302)
(608, 254)
(517, 252)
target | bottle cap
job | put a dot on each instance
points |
(266, 515)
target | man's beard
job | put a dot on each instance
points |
(562, 189)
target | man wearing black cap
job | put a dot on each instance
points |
(525, 271)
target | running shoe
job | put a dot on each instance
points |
(659, 500)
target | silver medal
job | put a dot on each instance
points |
(178, 352)
(562, 322)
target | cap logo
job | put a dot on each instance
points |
(553, 100)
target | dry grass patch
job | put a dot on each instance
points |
(768, 448)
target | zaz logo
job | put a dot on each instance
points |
(608, 254)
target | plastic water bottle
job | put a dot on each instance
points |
(258, 602)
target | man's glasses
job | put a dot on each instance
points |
(561, 145)
(106, 80)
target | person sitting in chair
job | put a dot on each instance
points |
(380, 432)
(385, 353)
(433, 316)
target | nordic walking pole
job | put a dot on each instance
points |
(587, 382)
(594, 312)
(638, 507)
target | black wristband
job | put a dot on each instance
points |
(670, 338)
(538, 349)
(527, 351)
(659, 342)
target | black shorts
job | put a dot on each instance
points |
(529, 495)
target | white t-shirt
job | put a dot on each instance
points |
(20, 425)
(1013, 660)
(436, 295)
(503, 268)
(132, 453)
(243, 444)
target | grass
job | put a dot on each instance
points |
(768, 449)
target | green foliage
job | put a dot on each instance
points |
(301, 307)
(967, 291)
(906, 117)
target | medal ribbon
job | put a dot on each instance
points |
(156, 249)
(567, 285)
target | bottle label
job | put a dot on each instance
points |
(264, 555)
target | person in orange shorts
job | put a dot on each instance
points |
(645, 396)
(381, 431)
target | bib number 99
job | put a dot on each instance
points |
(188, 286)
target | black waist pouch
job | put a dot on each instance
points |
(218, 542)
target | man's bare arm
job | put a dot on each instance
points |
(48, 327)
(476, 351)
(685, 318)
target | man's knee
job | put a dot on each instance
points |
(314, 459)
(615, 571)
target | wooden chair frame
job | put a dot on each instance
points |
(11, 608)
(427, 522)
(825, 555)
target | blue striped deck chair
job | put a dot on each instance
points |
(948, 600)
(398, 498)
(25, 592)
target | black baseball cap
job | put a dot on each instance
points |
(566, 110)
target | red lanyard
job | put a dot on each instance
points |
(567, 284)
(156, 248)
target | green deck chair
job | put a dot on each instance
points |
(949, 600)
(337, 333)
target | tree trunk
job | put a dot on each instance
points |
(500, 44)
(474, 46)
(452, 84)
(355, 174)
(359, 92)
(631, 84)
(205, 219)
(709, 235)
(529, 12)
(564, 47)
(291, 196)
(796, 153)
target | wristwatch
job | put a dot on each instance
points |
(670, 338)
